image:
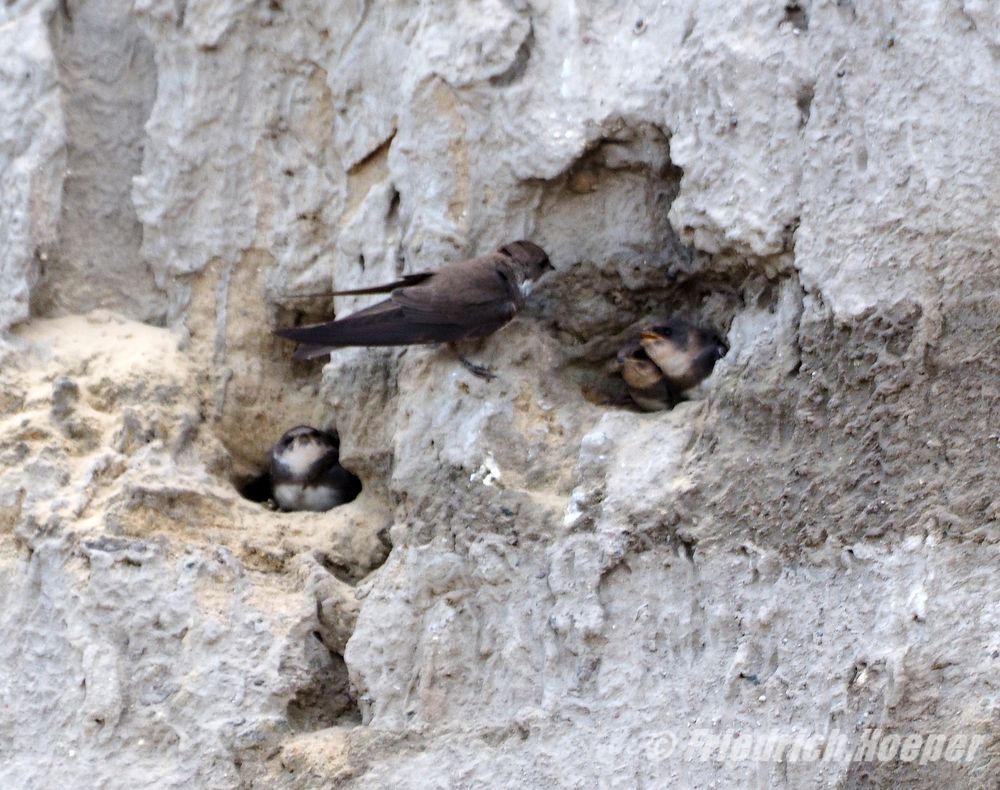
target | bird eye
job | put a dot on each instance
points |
(667, 332)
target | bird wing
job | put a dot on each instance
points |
(470, 299)
(354, 330)
(346, 483)
(329, 460)
(405, 281)
(477, 293)
(384, 324)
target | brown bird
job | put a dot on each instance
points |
(305, 471)
(646, 383)
(668, 359)
(461, 300)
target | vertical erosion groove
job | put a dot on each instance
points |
(107, 78)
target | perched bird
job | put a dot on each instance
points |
(306, 473)
(465, 299)
(666, 360)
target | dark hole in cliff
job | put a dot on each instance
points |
(622, 188)
(343, 572)
(393, 211)
(328, 700)
(797, 15)
(256, 488)
(516, 70)
(803, 101)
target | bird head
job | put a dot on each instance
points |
(529, 257)
(300, 447)
(637, 369)
(684, 352)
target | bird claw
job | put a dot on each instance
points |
(477, 370)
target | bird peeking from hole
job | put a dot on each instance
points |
(306, 474)
(666, 360)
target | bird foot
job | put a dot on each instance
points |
(477, 370)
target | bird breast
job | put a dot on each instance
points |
(641, 374)
(293, 496)
(676, 363)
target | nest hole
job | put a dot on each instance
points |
(328, 700)
(645, 276)
(258, 485)
(699, 294)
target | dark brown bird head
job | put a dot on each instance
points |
(302, 446)
(528, 257)
(685, 353)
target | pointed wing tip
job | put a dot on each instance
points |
(300, 335)
(287, 332)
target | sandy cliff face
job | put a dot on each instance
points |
(531, 589)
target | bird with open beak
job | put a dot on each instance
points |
(668, 359)
(462, 300)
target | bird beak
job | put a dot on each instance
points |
(649, 334)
